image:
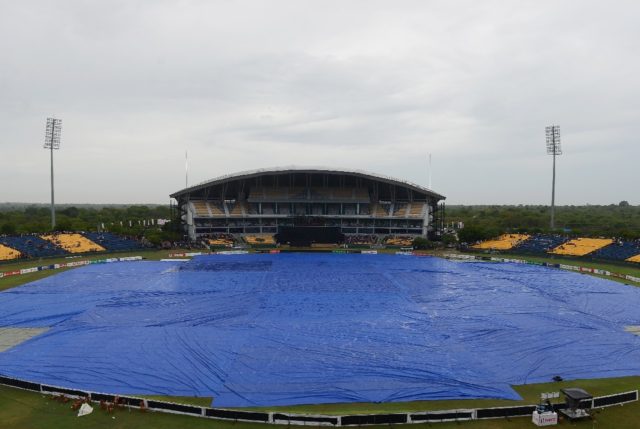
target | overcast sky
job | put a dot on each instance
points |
(370, 85)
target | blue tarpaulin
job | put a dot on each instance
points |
(319, 328)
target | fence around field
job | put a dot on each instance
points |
(313, 420)
(67, 265)
(462, 257)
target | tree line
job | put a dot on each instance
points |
(480, 222)
(483, 222)
(132, 220)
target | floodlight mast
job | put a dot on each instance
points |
(51, 142)
(553, 148)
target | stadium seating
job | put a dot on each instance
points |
(381, 210)
(113, 242)
(221, 240)
(73, 243)
(634, 259)
(7, 253)
(236, 209)
(361, 239)
(207, 208)
(32, 246)
(260, 239)
(361, 194)
(342, 193)
(215, 208)
(400, 210)
(302, 193)
(504, 242)
(618, 251)
(581, 246)
(539, 243)
(399, 240)
(201, 208)
(416, 210)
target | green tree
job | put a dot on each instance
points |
(8, 229)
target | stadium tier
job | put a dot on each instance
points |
(618, 251)
(402, 241)
(221, 240)
(260, 239)
(7, 253)
(31, 246)
(266, 201)
(539, 243)
(634, 259)
(581, 246)
(113, 242)
(73, 243)
(504, 242)
(361, 240)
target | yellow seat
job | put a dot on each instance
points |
(73, 243)
(634, 259)
(7, 253)
(259, 239)
(201, 208)
(504, 242)
(404, 241)
(581, 246)
(221, 241)
(416, 210)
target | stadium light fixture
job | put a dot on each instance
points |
(51, 142)
(553, 148)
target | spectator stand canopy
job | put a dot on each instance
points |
(267, 200)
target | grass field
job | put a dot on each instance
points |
(21, 409)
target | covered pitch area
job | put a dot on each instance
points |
(260, 330)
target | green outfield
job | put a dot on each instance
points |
(20, 409)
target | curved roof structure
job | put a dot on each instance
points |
(317, 170)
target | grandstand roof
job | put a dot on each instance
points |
(319, 170)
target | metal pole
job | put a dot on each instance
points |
(553, 187)
(53, 210)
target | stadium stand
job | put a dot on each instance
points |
(581, 246)
(381, 210)
(416, 210)
(260, 239)
(73, 243)
(399, 240)
(356, 202)
(201, 208)
(221, 240)
(113, 242)
(618, 251)
(7, 253)
(540, 243)
(504, 242)
(634, 259)
(208, 208)
(400, 210)
(32, 246)
(236, 209)
(360, 239)
(215, 208)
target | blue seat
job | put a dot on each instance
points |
(32, 246)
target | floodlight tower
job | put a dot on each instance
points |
(51, 142)
(553, 148)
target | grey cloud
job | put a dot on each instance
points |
(363, 84)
